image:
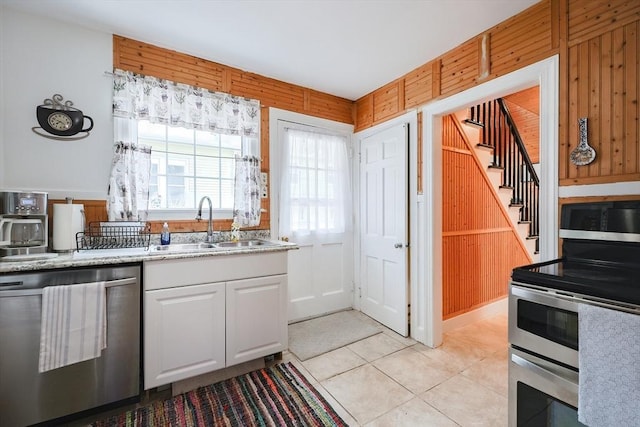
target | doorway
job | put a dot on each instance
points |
(310, 156)
(544, 74)
(386, 218)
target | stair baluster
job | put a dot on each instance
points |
(509, 153)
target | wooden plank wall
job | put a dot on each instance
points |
(603, 54)
(147, 59)
(519, 41)
(525, 111)
(479, 247)
(598, 44)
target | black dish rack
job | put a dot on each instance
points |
(114, 235)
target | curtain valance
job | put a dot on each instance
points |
(176, 104)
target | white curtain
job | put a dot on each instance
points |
(246, 201)
(176, 104)
(128, 192)
(315, 194)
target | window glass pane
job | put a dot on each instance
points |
(234, 142)
(180, 147)
(227, 168)
(180, 164)
(150, 130)
(317, 181)
(207, 144)
(226, 193)
(188, 164)
(207, 138)
(180, 134)
(207, 166)
(180, 192)
(156, 146)
(206, 187)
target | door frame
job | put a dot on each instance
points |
(410, 118)
(543, 73)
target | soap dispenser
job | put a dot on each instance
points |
(165, 235)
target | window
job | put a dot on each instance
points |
(194, 135)
(187, 164)
(316, 191)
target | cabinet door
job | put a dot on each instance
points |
(256, 318)
(184, 332)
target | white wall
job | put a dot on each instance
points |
(41, 57)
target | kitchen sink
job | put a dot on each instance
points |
(245, 243)
(184, 247)
(204, 246)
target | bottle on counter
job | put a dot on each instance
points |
(165, 235)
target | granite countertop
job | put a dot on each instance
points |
(120, 256)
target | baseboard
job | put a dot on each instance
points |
(495, 308)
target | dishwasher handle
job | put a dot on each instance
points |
(17, 283)
(28, 292)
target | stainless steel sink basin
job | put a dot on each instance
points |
(203, 246)
(184, 247)
(245, 243)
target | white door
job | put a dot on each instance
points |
(315, 213)
(384, 227)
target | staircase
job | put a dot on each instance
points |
(508, 166)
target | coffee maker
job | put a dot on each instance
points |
(23, 223)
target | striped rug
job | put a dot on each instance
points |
(276, 396)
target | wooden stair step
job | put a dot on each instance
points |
(473, 123)
(483, 146)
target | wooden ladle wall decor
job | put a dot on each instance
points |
(583, 154)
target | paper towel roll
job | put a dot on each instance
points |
(68, 219)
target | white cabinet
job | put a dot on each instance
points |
(256, 318)
(206, 313)
(184, 332)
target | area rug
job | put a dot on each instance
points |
(314, 337)
(276, 396)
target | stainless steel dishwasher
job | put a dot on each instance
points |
(29, 397)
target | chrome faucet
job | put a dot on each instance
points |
(209, 238)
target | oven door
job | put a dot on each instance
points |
(541, 393)
(543, 323)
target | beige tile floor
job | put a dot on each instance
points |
(389, 380)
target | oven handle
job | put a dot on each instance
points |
(546, 371)
(576, 298)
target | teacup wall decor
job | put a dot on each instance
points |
(61, 119)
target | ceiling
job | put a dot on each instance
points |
(346, 48)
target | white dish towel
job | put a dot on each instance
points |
(74, 324)
(609, 361)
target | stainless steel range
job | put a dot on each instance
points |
(600, 267)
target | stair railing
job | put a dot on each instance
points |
(509, 154)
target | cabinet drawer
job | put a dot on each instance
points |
(189, 271)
